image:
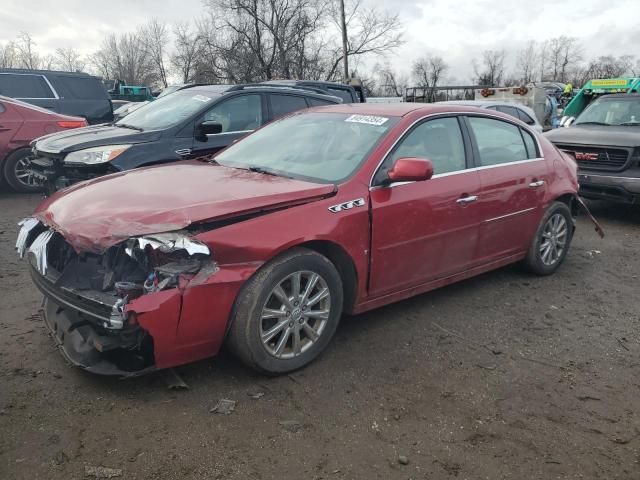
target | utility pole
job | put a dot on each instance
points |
(345, 58)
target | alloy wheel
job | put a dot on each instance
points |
(295, 314)
(554, 239)
(23, 173)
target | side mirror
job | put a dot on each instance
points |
(207, 128)
(410, 169)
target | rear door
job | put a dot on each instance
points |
(422, 231)
(239, 115)
(513, 180)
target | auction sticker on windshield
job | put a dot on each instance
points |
(201, 98)
(368, 119)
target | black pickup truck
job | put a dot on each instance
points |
(605, 140)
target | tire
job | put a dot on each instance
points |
(556, 232)
(250, 321)
(12, 168)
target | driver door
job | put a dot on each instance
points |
(238, 115)
(422, 231)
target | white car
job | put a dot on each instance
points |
(522, 112)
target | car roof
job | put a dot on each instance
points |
(223, 89)
(482, 103)
(44, 72)
(398, 109)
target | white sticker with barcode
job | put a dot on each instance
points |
(368, 119)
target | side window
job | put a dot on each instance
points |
(237, 114)
(498, 142)
(530, 143)
(24, 86)
(284, 104)
(342, 93)
(316, 102)
(438, 140)
(525, 118)
(84, 88)
(508, 110)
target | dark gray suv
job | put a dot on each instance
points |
(69, 93)
(192, 122)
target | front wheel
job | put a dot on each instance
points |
(551, 243)
(17, 172)
(287, 313)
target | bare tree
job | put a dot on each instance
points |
(186, 50)
(369, 31)
(124, 57)
(527, 61)
(68, 59)
(390, 83)
(154, 36)
(26, 52)
(267, 33)
(491, 71)
(562, 54)
(428, 72)
(8, 55)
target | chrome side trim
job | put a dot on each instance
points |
(460, 113)
(509, 215)
(229, 133)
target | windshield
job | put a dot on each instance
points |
(321, 147)
(169, 110)
(618, 111)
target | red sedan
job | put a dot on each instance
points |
(20, 123)
(333, 210)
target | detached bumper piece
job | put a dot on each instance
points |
(105, 353)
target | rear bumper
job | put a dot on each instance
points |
(624, 189)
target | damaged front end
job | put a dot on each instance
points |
(100, 307)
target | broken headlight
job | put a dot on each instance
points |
(168, 257)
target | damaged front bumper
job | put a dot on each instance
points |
(54, 174)
(107, 313)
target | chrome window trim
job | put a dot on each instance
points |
(458, 172)
(401, 136)
(53, 90)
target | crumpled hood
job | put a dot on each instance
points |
(628, 136)
(97, 214)
(94, 136)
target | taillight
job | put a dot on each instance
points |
(72, 124)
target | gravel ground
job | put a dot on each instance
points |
(502, 376)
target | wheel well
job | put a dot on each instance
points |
(343, 263)
(569, 200)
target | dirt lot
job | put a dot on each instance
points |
(503, 376)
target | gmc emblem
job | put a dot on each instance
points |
(586, 156)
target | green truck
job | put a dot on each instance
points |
(592, 90)
(129, 93)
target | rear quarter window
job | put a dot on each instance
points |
(316, 102)
(342, 93)
(530, 143)
(24, 86)
(83, 88)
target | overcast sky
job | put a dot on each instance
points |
(458, 30)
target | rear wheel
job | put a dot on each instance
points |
(287, 313)
(551, 242)
(17, 172)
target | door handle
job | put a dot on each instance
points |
(536, 184)
(467, 199)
